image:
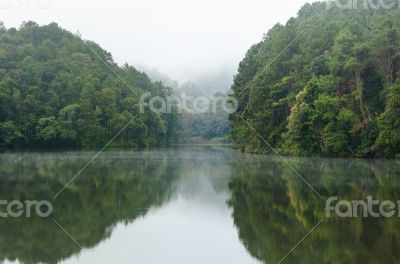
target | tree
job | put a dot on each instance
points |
(47, 129)
(389, 123)
(324, 94)
(9, 133)
(68, 120)
(53, 89)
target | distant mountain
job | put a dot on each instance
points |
(207, 84)
(157, 76)
(214, 82)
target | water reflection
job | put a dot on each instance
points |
(195, 205)
(164, 206)
(118, 187)
(273, 210)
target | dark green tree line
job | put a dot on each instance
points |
(54, 91)
(334, 92)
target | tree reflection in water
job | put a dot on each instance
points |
(120, 187)
(273, 209)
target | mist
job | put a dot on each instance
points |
(198, 41)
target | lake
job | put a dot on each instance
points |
(195, 205)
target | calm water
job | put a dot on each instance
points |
(194, 205)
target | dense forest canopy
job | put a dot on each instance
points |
(56, 91)
(334, 92)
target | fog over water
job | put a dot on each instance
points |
(201, 41)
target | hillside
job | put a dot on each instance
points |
(56, 92)
(334, 92)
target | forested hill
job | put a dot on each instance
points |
(334, 92)
(55, 91)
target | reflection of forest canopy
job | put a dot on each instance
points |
(112, 190)
(273, 209)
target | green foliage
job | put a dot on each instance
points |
(9, 133)
(326, 94)
(55, 92)
(47, 129)
(389, 123)
(209, 126)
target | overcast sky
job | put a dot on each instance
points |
(184, 39)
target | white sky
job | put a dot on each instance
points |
(184, 39)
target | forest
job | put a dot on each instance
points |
(209, 126)
(57, 92)
(334, 92)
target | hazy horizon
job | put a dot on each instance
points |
(198, 41)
